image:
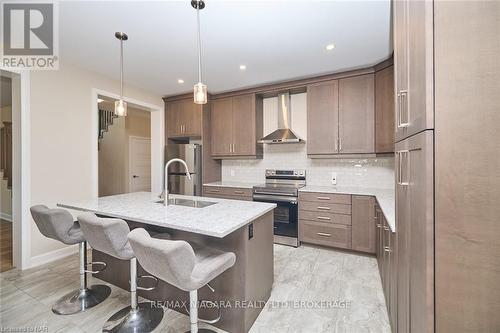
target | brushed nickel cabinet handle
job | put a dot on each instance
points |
(398, 110)
(323, 218)
(379, 226)
(323, 234)
(387, 249)
(404, 104)
(213, 190)
(323, 208)
(340, 144)
(323, 198)
(386, 228)
(239, 192)
(336, 144)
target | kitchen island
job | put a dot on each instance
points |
(242, 227)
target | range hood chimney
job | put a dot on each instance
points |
(283, 134)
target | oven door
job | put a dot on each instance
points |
(285, 215)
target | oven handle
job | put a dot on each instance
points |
(272, 198)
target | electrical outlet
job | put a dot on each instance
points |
(232, 173)
(334, 178)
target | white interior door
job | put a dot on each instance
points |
(139, 164)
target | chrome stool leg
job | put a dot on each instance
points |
(85, 297)
(142, 317)
(193, 314)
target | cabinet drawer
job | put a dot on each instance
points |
(337, 235)
(325, 217)
(325, 197)
(233, 193)
(325, 207)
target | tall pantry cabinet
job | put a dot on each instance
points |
(447, 81)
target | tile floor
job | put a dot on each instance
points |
(340, 292)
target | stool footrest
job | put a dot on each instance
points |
(219, 314)
(147, 277)
(95, 263)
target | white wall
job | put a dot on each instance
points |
(369, 172)
(63, 146)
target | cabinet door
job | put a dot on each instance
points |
(403, 238)
(191, 116)
(416, 112)
(421, 222)
(356, 115)
(244, 140)
(363, 227)
(222, 130)
(393, 284)
(401, 66)
(322, 118)
(384, 110)
(173, 111)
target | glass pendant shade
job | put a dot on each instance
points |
(200, 93)
(121, 108)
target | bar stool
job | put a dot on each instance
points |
(184, 266)
(109, 235)
(58, 224)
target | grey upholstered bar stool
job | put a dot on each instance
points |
(182, 265)
(109, 235)
(58, 224)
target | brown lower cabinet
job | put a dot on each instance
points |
(338, 220)
(224, 192)
(386, 250)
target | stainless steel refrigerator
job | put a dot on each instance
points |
(178, 182)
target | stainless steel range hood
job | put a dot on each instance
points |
(283, 134)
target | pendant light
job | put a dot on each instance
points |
(121, 105)
(200, 90)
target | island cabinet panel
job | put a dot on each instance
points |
(233, 193)
(236, 127)
(322, 118)
(363, 225)
(384, 110)
(183, 119)
(357, 115)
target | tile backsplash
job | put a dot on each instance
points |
(370, 172)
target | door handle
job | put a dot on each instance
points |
(135, 176)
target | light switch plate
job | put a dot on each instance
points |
(334, 178)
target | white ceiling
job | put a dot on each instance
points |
(277, 41)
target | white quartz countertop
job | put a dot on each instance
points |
(386, 198)
(217, 220)
(232, 184)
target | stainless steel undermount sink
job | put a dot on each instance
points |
(188, 202)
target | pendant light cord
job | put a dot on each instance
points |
(199, 40)
(121, 69)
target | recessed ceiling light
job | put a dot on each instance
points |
(330, 47)
(100, 100)
(243, 67)
(180, 81)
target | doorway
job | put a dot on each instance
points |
(124, 149)
(6, 172)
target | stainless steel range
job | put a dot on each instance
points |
(282, 188)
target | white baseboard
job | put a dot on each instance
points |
(45, 258)
(6, 217)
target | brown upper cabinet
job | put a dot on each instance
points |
(340, 116)
(413, 60)
(356, 115)
(384, 110)
(236, 127)
(323, 118)
(183, 119)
